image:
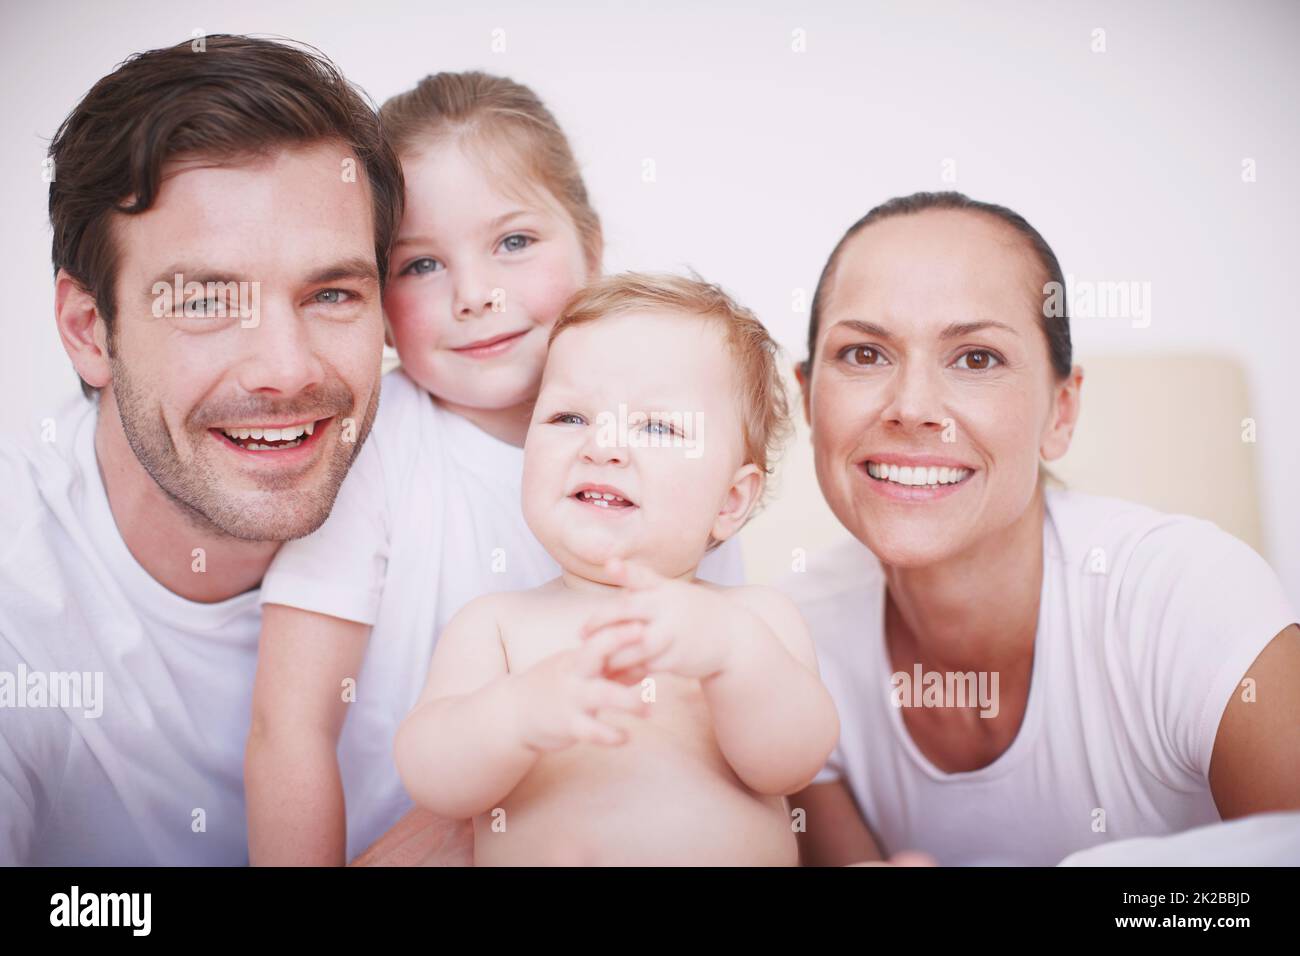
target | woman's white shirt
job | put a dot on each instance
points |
(1147, 625)
(429, 518)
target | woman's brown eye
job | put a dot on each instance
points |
(977, 360)
(863, 355)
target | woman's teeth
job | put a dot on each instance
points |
(916, 476)
(256, 439)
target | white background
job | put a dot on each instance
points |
(1129, 161)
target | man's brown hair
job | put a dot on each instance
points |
(221, 98)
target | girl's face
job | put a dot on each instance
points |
(478, 277)
(932, 395)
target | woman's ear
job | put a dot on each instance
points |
(1066, 403)
(746, 488)
(801, 370)
(82, 330)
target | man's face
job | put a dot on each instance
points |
(197, 391)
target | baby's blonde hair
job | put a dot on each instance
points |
(505, 119)
(765, 412)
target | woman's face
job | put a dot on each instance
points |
(478, 277)
(932, 395)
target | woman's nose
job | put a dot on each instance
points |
(914, 397)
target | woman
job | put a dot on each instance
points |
(1022, 672)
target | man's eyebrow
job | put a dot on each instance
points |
(356, 268)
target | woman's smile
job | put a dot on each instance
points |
(915, 478)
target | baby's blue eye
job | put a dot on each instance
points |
(568, 418)
(421, 266)
(660, 426)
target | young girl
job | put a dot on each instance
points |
(497, 234)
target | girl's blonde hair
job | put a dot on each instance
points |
(765, 413)
(506, 121)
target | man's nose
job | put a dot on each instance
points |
(278, 353)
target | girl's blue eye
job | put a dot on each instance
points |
(568, 418)
(980, 360)
(421, 266)
(515, 242)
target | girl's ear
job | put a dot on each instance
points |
(1066, 403)
(388, 332)
(746, 488)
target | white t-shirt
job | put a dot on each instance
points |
(1147, 623)
(157, 776)
(429, 517)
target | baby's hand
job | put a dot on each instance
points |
(557, 701)
(680, 628)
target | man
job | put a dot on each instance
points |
(222, 212)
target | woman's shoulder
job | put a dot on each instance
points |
(1096, 531)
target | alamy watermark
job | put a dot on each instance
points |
(624, 429)
(208, 300)
(923, 688)
(1092, 299)
(65, 690)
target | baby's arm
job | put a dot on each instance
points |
(775, 720)
(478, 729)
(291, 772)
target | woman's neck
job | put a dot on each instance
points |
(976, 611)
(509, 425)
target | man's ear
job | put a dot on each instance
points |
(1066, 403)
(801, 370)
(82, 330)
(746, 487)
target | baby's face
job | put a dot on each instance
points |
(635, 448)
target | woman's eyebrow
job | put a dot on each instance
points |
(959, 329)
(866, 328)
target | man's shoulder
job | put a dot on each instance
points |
(34, 465)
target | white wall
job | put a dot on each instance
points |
(1128, 160)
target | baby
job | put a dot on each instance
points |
(627, 713)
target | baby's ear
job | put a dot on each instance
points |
(746, 488)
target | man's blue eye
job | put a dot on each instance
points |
(332, 296)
